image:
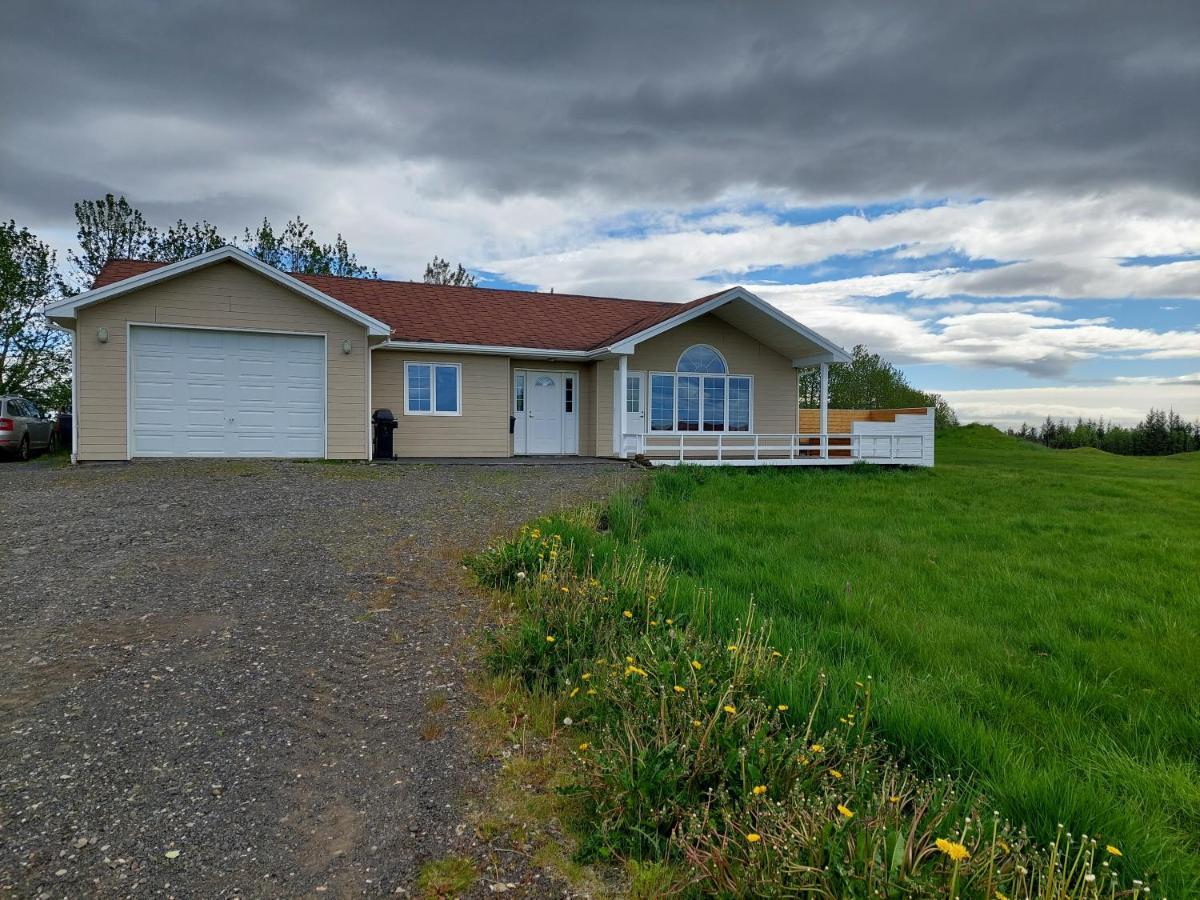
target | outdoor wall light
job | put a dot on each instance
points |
(346, 346)
(102, 334)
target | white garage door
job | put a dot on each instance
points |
(199, 392)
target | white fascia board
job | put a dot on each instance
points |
(486, 350)
(833, 351)
(67, 308)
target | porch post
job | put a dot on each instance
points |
(619, 412)
(824, 410)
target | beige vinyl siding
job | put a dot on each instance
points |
(229, 296)
(775, 390)
(481, 430)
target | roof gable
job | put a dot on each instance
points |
(120, 277)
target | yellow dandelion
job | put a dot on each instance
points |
(835, 773)
(729, 709)
(696, 665)
(759, 790)
(753, 838)
(670, 621)
(549, 639)
(1003, 846)
(584, 745)
(732, 648)
(629, 659)
(574, 691)
(586, 675)
(628, 614)
(565, 589)
(817, 748)
(678, 689)
(1000, 896)
(591, 691)
(893, 799)
(535, 533)
(782, 707)
(696, 723)
(845, 811)
(1113, 851)
(653, 621)
(776, 654)
(953, 849)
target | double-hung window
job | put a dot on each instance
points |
(700, 395)
(432, 389)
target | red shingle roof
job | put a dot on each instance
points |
(459, 315)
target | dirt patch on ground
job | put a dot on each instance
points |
(257, 665)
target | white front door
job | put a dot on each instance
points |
(544, 413)
(209, 392)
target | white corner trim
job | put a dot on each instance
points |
(68, 307)
(835, 353)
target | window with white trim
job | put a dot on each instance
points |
(700, 395)
(520, 392)
(432, 389)
(633, 394)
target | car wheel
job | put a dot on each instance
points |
(23, 454)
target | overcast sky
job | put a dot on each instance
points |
(1003, 198)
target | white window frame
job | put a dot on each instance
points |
(433, 410)
(649, 402)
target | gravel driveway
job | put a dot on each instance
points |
(243, 678)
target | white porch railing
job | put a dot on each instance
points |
(907, 441)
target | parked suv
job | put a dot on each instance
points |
(24, 430)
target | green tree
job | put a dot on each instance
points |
(183, 241)
(295, 249)
(35, 359)
(439, 272)
(869, 381)
(109, 229)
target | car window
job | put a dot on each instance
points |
(16, 408)
(32, 411)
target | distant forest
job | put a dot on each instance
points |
(1159, 434)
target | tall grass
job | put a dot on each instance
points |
(1031, 618)
(685, 753)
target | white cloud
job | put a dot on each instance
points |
(1051, 247)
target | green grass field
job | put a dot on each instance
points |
(1031, 618)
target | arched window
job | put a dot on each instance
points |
(701, 358)
(700, 395)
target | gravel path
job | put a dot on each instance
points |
(242, 678)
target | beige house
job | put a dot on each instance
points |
(224, 356)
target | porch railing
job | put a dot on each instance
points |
(905, 440)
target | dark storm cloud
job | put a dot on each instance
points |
(182, 105)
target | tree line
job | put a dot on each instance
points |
(1160, 433)
(869, 381)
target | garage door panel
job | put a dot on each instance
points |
(200, 392)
